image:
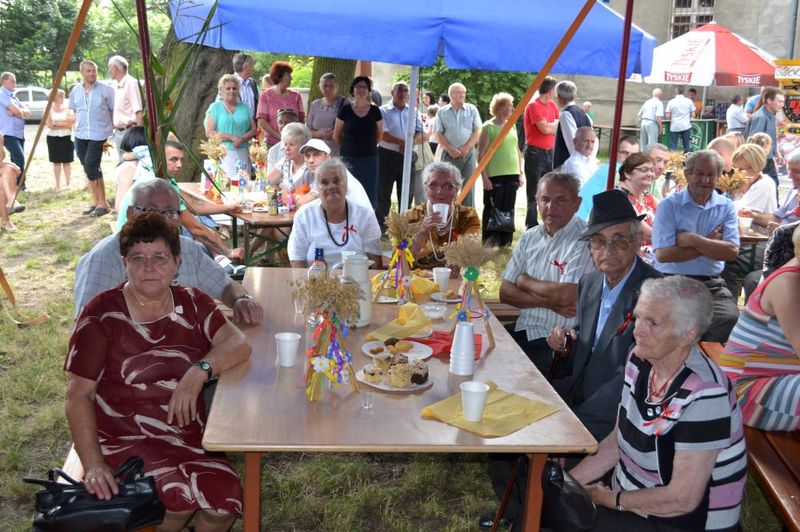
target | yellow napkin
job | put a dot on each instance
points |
(410, 320)
(504, 413)
(421, 288)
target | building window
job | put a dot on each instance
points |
(689, 14)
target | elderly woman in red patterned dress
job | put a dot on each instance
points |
(138, 358)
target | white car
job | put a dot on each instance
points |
(35, 99)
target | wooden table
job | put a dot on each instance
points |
(253, 224)
(259, 407)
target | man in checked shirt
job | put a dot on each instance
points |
(542, 276)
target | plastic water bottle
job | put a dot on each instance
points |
(319, 267)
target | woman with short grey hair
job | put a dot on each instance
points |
(322, 111)
(678, 425)
(289, 172)
(441, 220)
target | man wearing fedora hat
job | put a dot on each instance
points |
(602, 336)
(606, 297)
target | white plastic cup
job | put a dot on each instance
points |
(287, 342)
(473, 399)
(745, 224)
(462, 353)
(367, 398)
(442, 209)
(441, 276)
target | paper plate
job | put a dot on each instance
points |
(439, 296)
(383, 386)
(418, 351)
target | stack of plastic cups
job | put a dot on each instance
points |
(462, 353)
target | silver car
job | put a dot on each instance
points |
(35, 99)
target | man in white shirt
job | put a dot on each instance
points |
(582, 163)
(679, 112)
(650, 117)
(127, 100)
(542, 276)
(735, 116)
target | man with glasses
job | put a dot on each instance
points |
(203, 233)
(102, 268)
(542, 276)
(695, 232)
(603, 333)
(596, 184)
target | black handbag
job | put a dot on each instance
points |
(500, 221)
(566, 505)
(70, 508)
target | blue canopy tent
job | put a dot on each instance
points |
(505, 35)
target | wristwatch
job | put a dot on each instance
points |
(205, 366)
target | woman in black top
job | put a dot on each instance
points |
(358, 130)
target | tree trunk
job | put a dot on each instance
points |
(211, 63)
(343, 69)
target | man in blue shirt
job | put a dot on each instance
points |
(392, 148)
(695, 231)
(12, 119)
(93, 103)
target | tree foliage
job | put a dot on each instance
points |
(113, 35)
(481, 84)
(301, 65)
(34, 35)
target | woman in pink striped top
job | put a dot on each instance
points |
(276, 98)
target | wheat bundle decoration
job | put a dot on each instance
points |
(258, 154)
(470, 254)
(400, 230)
(329, 304)
(214, 150)
(675, 168)
(731, 184)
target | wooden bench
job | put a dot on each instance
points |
(73, 467)
(505, 314)
(773, 458)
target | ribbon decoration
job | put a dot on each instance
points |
(626, 323)
(351, 229)
(328, 357)
(559, 265)
(463, 313)
(400, 266)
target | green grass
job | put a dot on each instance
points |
(397, 492)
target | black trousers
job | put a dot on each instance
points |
(390, 174)
(537, 163)
(503, 196)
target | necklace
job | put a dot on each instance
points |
(346, 235)
(449, 236)
(127, 289)
(659, 392)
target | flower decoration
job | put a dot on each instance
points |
(400, 230)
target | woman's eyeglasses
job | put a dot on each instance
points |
(436, 187)
(159, 259)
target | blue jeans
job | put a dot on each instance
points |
(686, 138)
(16, 152)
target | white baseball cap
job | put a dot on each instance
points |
(316, 144)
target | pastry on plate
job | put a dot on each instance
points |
(419, 372)
(372, 373)
(450, 294)
(375, 350)
(400, 376)
(398, 358)
(383, 361)
(403, 346)
(390, 341)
